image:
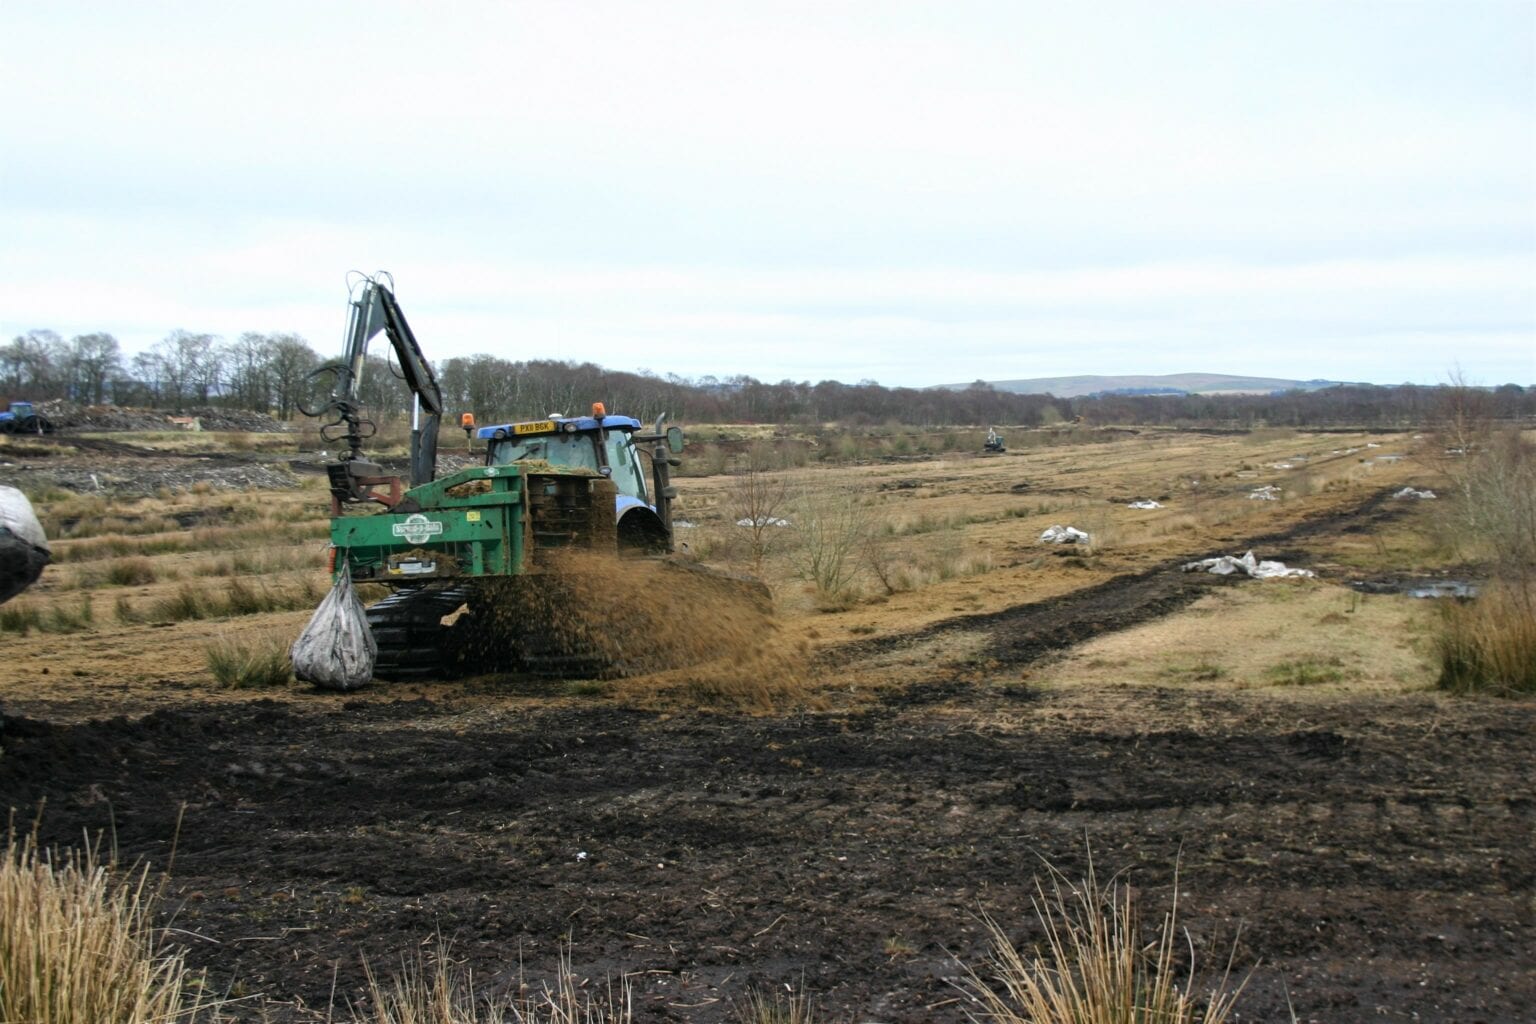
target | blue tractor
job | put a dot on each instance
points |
(23, 418)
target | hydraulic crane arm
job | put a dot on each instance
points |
(374, 309)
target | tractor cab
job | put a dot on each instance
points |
(604, 445)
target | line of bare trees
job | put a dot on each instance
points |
(259, 372)
(270, 372)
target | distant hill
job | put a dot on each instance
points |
(1164, 384)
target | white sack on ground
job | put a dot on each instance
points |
(1144, 504)
(763, 521)
(23, 545)
(1269, 492)
(1063, 535)
(1226, 565)
(336, 651)
(1409, 492)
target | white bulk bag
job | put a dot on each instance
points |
(336, 651)
(23, 545)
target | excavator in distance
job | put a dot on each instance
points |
(479, 559)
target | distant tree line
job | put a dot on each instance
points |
(1397, 407)
(269, 373)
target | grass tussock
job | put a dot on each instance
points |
(131, 572)
(238, 597)
(250, 665)
(435, 991)
(116, 545)
(28, 617)
(779, 1008)
(258, 535)
(131, 526)
(760, 680)
(1489, 643)
(1094, 966)
(79, 944)
(262, 561)
(898, 567)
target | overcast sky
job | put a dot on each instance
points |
(914, 193)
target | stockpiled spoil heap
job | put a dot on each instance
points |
(72, 416)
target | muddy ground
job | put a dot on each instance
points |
(1370, 852)
(1372, 855)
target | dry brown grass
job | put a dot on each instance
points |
(1489, 643)
(962, 538)
(27, 616)
(237, 597)
(78, 944)
(760, 1007)
(1095, 966)
(433, 990)
(1280, 634)
(251, 663)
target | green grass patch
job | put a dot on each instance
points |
(262, 664)
(1202, 671)
(1308, 672)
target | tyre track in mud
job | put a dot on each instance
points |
(1024, 633)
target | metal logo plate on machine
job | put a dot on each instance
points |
(417, 528)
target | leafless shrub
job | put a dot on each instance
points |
(832, 524)
(759, 498)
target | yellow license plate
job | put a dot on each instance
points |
(541, 427)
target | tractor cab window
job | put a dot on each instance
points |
(625, 463)
(574, 450)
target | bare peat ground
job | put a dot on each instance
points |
(1373, 851)
(1376, 851)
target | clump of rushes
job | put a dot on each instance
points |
(20, 617)
(238, 598)
(261, 664)
(430, 991)
(1489, 643)
(780, 1008)
(1094, 967)
(24, 618)
(188, 602)
(79, 944)
(131, 572)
